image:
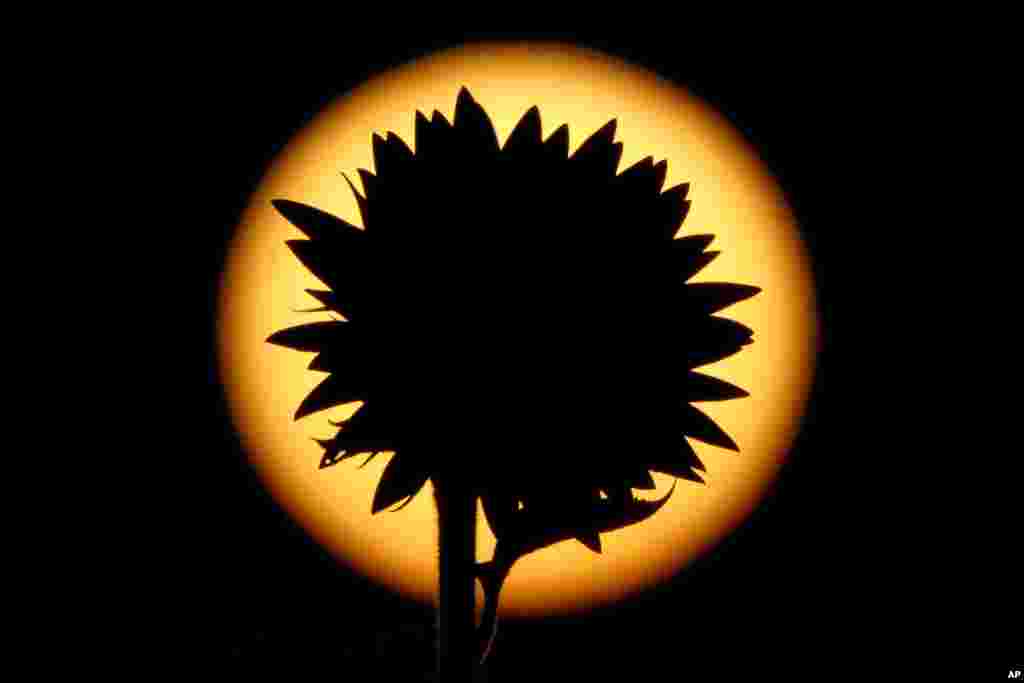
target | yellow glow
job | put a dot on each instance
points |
(734, 197)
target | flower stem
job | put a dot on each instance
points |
(456, 512)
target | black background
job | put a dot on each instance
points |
(825, 577)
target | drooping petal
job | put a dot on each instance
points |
(403, 477)
(701, 427)
(700, 387)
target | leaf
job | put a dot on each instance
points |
(333, 391)
(701, 427)
(710, 297)
(700, 387)
(402, 478)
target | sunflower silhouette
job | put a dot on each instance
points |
(519, 327)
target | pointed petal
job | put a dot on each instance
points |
(701, 427)
(365, 431)
(558, 142)
(360, 200)
(674, 207)
(640, 172)
(700, 387)
(335, 268)
(369, 183)
(660, 171)
(402, 478)
(333, 391)
(692, 244)
(473, 121)
(390, 155)
(527, 133)
(309, 337)
(599, 152)
(331, 301)
(316, 224)
(681, 464)
(716, 338)
(710, 297)
(697, 263)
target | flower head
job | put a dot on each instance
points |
(520, 314)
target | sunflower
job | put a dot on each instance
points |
(521, 315)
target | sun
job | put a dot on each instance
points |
(733, 198)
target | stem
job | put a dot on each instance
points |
(456, 514)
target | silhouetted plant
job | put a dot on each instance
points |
(518, 324)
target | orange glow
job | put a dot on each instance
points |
(734, 197)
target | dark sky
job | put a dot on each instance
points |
(819, 578)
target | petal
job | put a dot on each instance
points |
(700, 387)
(309, 337)
(714, 339)
(701, 427)
(558, 142)
(473, 122)
(526, 135)
(333, 391)
(696, 263)
(710, 297)
(403, 477)
(316, 224)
